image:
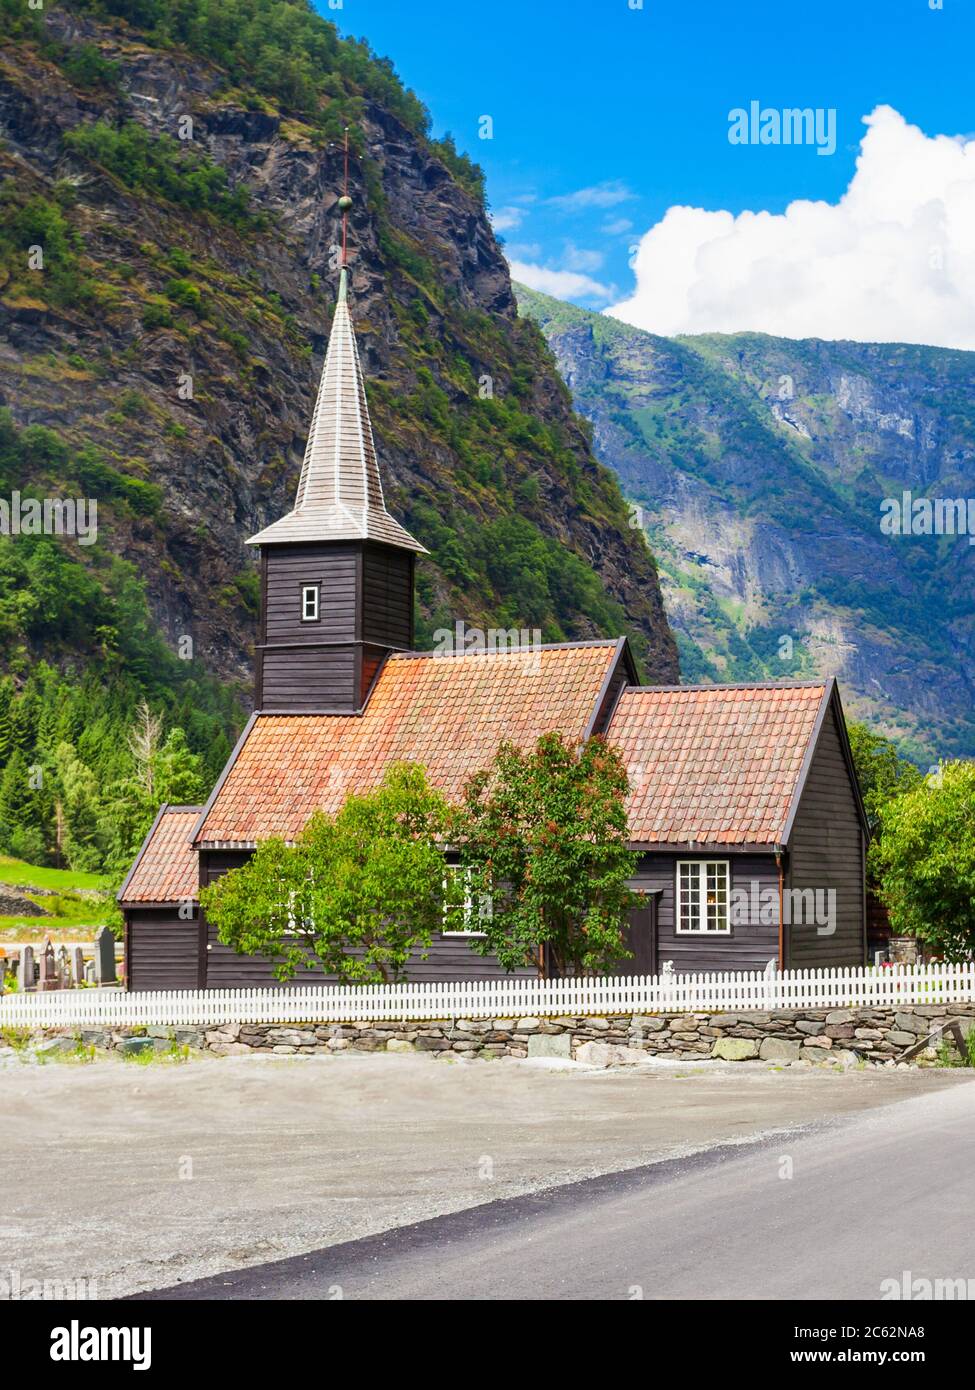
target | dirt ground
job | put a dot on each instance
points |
(137, 1177)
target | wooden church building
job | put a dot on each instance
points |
(743, 805)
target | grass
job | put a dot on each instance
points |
(948, 1053)
(35, 929)
(72, 917)
(15, 871)
(175, 1053)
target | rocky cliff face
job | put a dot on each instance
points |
(180, 335)
(759, 466)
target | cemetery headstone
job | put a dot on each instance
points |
(105, 957)
(49, 969)
(77, 966)
(26, 972)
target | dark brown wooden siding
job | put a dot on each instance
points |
(365, 597)
(748, 947)
(334, 568)
(316, 678)
(878, 926)
(449, 958)
(164, 952)
(826, 851)
(387, 597)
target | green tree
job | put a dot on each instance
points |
(883, 776)
(926, 860)
(543, 836)
(358, 894)
(178, 773)
(158, 769)
(22, 809)
(882, 773)
(82, 840)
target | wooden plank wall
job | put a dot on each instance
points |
(827, 852)
(164, 951)
(748, 947)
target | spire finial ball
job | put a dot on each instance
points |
(345, 202)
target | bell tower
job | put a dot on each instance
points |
(337, 571)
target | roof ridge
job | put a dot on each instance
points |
(726, 685)
(608, 642)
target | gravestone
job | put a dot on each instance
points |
(903, 950)
(49, 969)
(89, 972)
(63, 968)
(78, 966)
(26, 971)
(105, 957)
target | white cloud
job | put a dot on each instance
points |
(892, 261)
(600, 195)
(507, 219)
(616, 226)
(578, 258)
(561, 284)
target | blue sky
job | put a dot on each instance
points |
(634, 103)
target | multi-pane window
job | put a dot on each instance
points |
(702, 895)
(478, 907)
(309, 603)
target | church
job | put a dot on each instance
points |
(743, 804)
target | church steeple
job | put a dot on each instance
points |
(337, 571)
(340, 494)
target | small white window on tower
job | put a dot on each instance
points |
(309, 603)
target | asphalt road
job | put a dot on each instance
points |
(145, 1177)
(831, 1212)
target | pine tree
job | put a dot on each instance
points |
(82, 812)
(21, 819)
(6, 729)
(179, 775)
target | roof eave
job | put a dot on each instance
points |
(142, 849)
(707, 847)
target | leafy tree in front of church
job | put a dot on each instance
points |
(543, 841)
(359, 893)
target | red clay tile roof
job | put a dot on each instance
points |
(447, 712)
(713, 764)
(167, 868)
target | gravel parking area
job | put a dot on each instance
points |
(138, 1177)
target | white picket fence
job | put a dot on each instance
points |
(728, 992)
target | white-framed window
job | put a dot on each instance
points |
(478, 907)
(309, 603)
(702, 897)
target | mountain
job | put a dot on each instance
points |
(170, 346)
(759, 466)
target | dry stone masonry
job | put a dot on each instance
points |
(841, 1036)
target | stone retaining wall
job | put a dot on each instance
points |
(842, 1036)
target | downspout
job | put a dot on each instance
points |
(778, 862)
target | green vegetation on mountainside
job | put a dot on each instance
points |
(165, 299)
(759, 466)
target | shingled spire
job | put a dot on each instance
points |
(340, 494)
(337, 573)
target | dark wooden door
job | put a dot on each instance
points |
(640, 937)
